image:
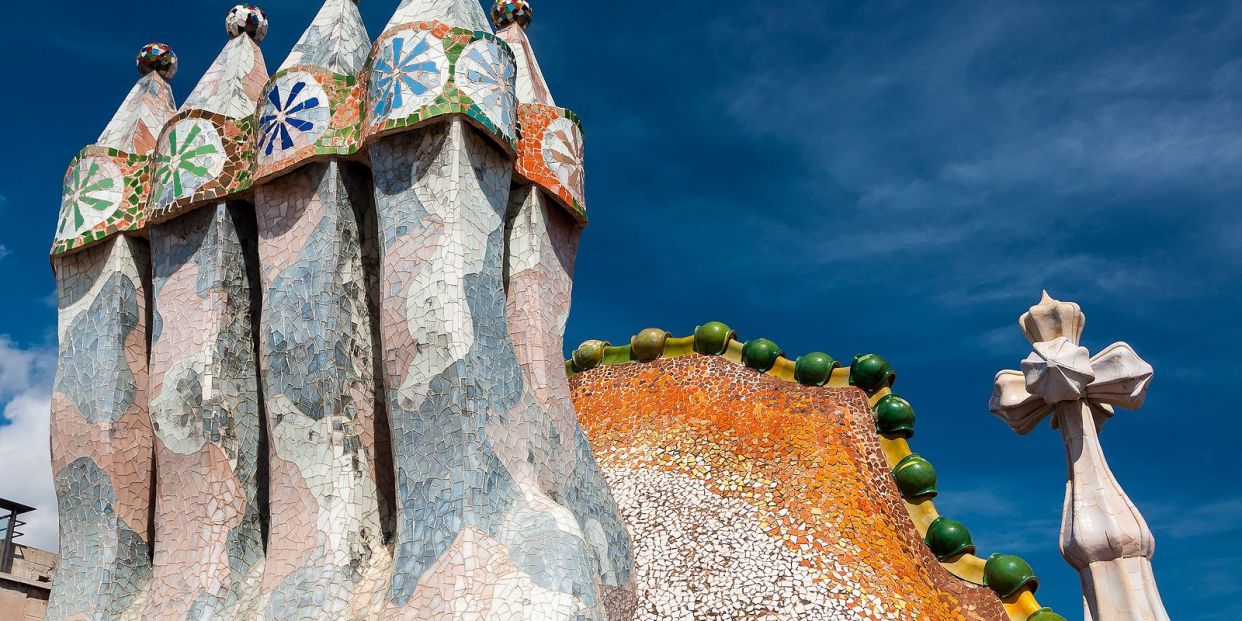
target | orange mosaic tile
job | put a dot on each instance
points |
(550, 154)
(716, 447)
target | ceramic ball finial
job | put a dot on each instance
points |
(159, 58)
(505, 13)
(249, 19)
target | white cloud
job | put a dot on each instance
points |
(22, 370)
(25, 391)
(1002, 341)
(1130, 117)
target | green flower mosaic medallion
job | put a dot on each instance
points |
(92, 194)
(190, 155)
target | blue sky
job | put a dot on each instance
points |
(892, 176)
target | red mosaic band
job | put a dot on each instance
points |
(550, 155)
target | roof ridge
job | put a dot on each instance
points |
(1010, 577)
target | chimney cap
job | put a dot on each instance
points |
(158, 58)
(505, 13)
(248, 19)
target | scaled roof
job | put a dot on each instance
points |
(785, 487)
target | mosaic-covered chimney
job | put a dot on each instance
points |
(442, 102)
(330, 476)
(547, 211)
(350, 281)
(102, 440)
(204, 395)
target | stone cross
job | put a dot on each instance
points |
(1103, 536)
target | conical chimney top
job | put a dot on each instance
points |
(512, 18)
(136, 126)
(466, 14)
(233, 84)
(336, 41)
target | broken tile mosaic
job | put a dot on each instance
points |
(311, 369)
(732, 482)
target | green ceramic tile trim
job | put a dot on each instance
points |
(678, 347)
(617, 355)
(949, 540)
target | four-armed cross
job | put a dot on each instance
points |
(1103, 535)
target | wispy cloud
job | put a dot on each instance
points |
(1192, 518)
(1210, 580)
(1001, 341)
(25, 392)
(23, 369)
(1219, 578)
(999, 522)
(1001, 158)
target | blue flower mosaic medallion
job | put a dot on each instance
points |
(295, 114)
(408, 75)
(486, 74)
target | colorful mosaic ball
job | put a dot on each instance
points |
(249, 19)
(505, 13)
(159, 58)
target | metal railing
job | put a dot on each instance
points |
(9, 512)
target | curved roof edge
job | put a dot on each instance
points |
(1010, 577)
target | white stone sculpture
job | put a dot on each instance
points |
(1103, 536)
